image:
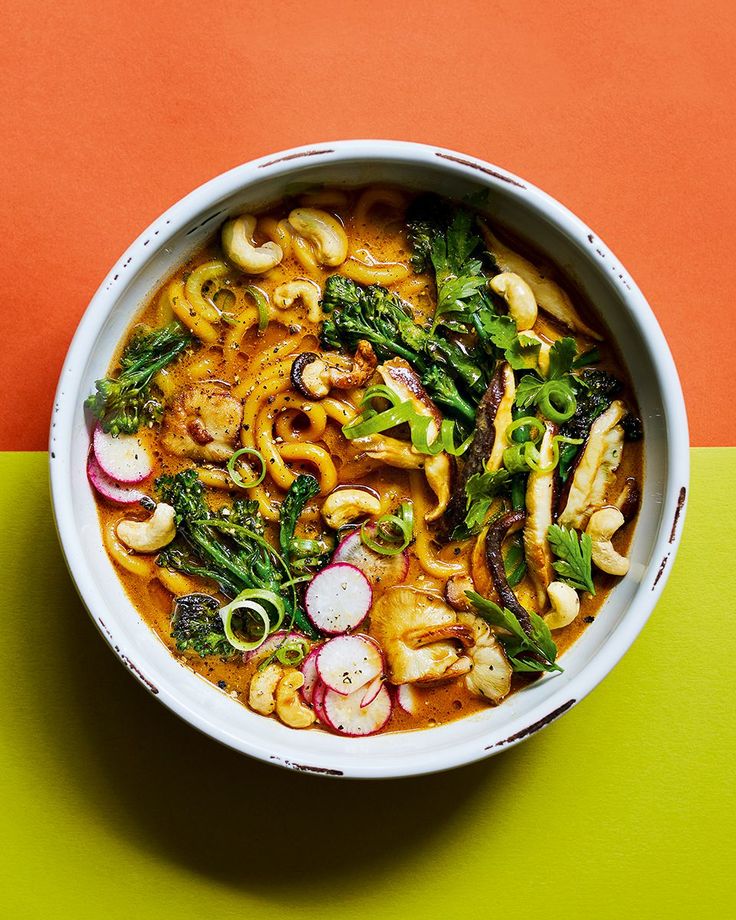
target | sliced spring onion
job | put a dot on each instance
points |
(254, 600)
(393, 532)
(371, 422)
(235, 475)
(261, 305)
(526, 421)
(519, 458)
(558, 403)
(292, 652)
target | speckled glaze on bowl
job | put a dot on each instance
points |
(532, 216)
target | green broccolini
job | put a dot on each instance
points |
(124, 403)
(197, 627)
(353, 313)
(228, 547)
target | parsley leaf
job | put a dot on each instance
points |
(527, 653)
(574, 556)
(561, 358)
(560, 382)
(480, 490)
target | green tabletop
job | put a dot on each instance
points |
(113, 808)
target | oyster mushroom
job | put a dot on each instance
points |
(596, 469)
(539, 497)
(203, 423)
(420, 635)
(490, 674)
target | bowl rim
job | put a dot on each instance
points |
(674, 499)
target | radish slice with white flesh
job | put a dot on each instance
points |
(348, 663)
(113, 491)
(338, 598)
(347, 717)
(407, 699)
(124, 458)
(379, 570)
(311, 675)
(371, 691)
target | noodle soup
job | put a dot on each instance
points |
(366, 464)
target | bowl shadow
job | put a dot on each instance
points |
(188, 799)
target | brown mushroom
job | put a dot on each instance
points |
(494, 538)
(315, 375)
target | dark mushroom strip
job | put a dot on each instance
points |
(494, 539)
(315, 375)
(629, 499)
(479, 451)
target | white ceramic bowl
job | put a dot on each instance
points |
(533, 216)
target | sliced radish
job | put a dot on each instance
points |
(338, 598)
(311, 675)
(371, 691)
(345, 714)
(124, 458)
(272, 643)
(347, 663)
(113, 491)
(318, 702)
(379, 570)
(407, 699)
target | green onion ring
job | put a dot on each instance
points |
(235, 475)
(403, 524)
(557, 391)
(526, 421)
(252, 599)
(292, 653)
(261, 305)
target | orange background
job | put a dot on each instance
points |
(112, 111)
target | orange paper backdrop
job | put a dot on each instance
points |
(112, 111)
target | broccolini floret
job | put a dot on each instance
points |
(197, 627)
(124, 403)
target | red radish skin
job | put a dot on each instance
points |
(406, 699)
(371, 691)
(271, 643)
(318, 699)
(346, 716)
(124, 458)
(115, 492)
(311, 676)
(348, 663)
(338, 598)
(383, 571)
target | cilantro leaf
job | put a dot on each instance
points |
(480, 490)
(529, 391)
(574, 556)
(526, 653)
(561, 358)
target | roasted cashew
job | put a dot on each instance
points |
(239, 248)
(285, 295)
(565, 605)
(519, 297)
(149, 536)
(347, 505)
(602, 525)
(263, 684)
(324, 232)
(289, 706)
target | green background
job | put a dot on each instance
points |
(112, 807)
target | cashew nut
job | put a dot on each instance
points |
(520, 298)
(149, 536)
(285, 295)
(289, 706)
(262, 689)
(239, 248)
(347, 505)
(565, 605)
(324, 232)
(602, 525)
